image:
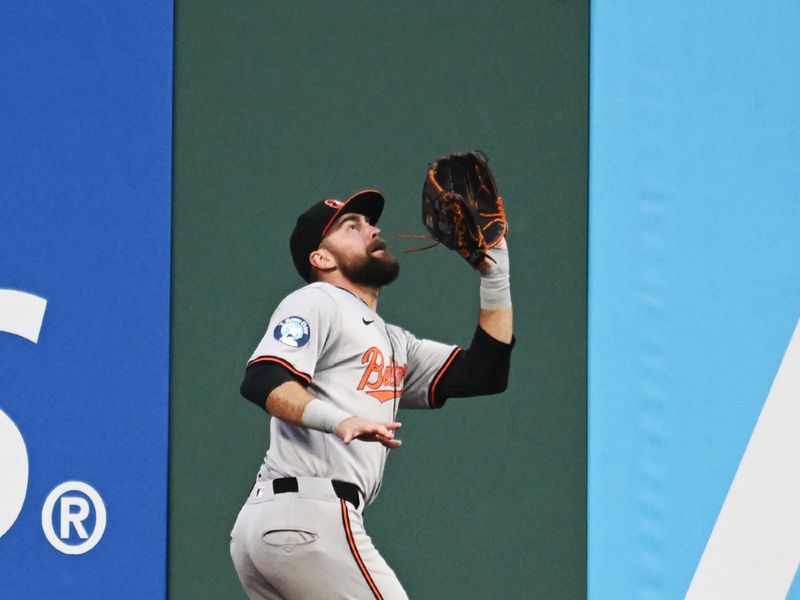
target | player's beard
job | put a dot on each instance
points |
(371, 271)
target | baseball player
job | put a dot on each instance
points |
(333, 375)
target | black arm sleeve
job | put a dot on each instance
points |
(262, 377)
(481, 370)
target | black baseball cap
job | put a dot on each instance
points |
(313, 225)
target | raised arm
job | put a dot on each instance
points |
(483, 368)
(496, 314)
(498, 324)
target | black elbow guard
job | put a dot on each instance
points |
(480, 370)
(261, 378)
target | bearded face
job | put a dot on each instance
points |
(358, 253)
(376, 270)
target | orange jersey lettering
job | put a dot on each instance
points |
(383, 381)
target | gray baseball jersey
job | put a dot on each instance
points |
(351, 358)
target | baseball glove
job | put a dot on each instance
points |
(461, 206)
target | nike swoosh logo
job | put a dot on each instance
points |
(367, 322)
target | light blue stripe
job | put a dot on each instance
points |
(693, 265)
(794, 591)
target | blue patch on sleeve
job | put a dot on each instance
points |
(293, 331)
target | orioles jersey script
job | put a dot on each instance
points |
(350, 357)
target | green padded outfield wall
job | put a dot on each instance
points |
(280, 104)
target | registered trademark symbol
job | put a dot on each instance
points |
(74, 517)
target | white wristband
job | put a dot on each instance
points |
(323, 416)
(495, 281)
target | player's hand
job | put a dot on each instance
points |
(356, 428)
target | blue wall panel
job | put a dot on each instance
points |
(85, 112)
(694, 278)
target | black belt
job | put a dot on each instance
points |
(342, 489)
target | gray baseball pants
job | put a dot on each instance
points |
(308, 545)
